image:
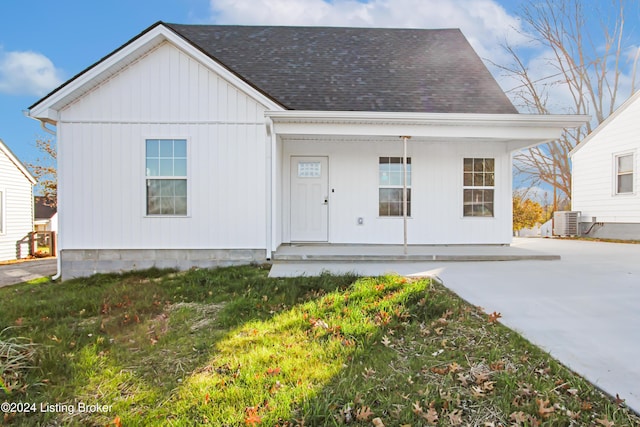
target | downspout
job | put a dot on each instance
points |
(58, 261)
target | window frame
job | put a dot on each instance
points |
(164, 177)
(617, 174)
(480, 187)
(390, 186)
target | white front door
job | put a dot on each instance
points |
(309, 199)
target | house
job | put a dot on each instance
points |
(605, 187)
(16, 206)
(45, 216)
(202, 145)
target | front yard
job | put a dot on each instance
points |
(233, 347)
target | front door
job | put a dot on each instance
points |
(309, 199)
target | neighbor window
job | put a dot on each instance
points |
(478, 187)
(624, 174)
(166, 176)
(390, 186)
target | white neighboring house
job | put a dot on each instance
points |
(16, 206)
(196, 145)
(605, 176)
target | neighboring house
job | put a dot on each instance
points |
(45, 216)
(205, 145)
(16, 206)
(605, 185)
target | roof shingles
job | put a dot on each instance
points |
(355, 69)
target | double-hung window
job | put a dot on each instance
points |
(391, 184)
(166, 177)
(478, 187)
(624, 173)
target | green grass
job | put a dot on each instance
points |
(233, 347)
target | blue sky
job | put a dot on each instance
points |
(44, 43)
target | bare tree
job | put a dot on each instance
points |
(583, 62)
(44, 170)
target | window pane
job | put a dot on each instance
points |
(489, 165)
(167, 206)
(625, 163)
(153, 149)
(166, 167)
(625, 183)
(153, 167)
(180, 167)
(468, 165)
(180, 148)
(180, 187)
(166, 148)
(489, 179)
(181, 206)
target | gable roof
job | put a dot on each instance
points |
(633, 98)
(12, 157)
(355, 69)
(336, 69)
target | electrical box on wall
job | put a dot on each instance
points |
(360, 220)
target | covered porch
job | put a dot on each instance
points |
(344, 151)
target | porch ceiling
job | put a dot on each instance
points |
(517, 131)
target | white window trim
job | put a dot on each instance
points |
(484, 187)
(145, 177)
(634, 172)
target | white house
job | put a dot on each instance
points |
(16, 206)
(605, 184)
(201, 145)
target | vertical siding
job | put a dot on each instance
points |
(593, 174)
(166, 94)
(436, 212)
(18, 208)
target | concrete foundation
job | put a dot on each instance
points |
(611, 230)
(85, 262)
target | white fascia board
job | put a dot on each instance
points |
(528, 129)
(48, 108)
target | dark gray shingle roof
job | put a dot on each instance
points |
(355, 69)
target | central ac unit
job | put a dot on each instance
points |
(565, 223)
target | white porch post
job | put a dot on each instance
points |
(404, 190)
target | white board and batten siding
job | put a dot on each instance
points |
(594, 169)
(166, 94)
(436, 186)
(16, 208)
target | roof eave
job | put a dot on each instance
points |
(518, 131)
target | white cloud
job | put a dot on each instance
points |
(485, 23)
(27, 73)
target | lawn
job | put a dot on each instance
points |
(233, 347)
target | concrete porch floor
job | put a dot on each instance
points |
(377, 253)
(313, 259)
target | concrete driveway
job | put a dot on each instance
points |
(24, 271)
(583, 309)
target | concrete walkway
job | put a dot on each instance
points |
(584, 309)
(24, 271)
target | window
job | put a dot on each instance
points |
(390, 182)
(624, 174)
(478, 187)
(166, 175)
